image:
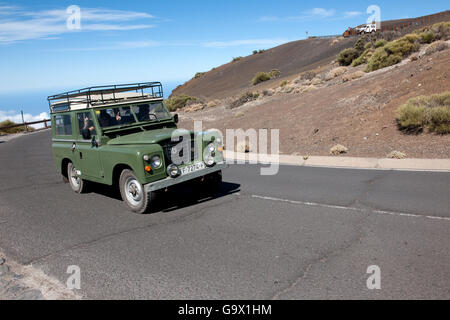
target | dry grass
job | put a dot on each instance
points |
(338, 149)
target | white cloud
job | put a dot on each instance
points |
(16, 117)
(320, 12)
(351, 14)
(17, 24)
(253, 42)
(114, 46)
(313, 14)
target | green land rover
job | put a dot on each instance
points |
(124, 135)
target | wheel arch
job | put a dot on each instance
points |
(64, 163)
(118, 168)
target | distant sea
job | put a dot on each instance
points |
(35, 102)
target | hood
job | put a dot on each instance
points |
(145, 137)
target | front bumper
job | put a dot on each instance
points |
(168, 182)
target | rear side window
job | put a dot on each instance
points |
(63, 125)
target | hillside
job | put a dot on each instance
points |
(357, 112)
(291, 58)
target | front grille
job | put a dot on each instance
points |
(170, 150)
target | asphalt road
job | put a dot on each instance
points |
(306, 233)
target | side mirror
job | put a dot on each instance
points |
(175, 118)
(86, 133)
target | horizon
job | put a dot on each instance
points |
(168, 42)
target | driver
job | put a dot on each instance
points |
(144, 113)
(88, 128)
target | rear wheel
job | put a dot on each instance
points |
(133, 192)
(76, 183)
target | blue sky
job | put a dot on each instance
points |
(131, 41)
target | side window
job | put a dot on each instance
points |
(63, 125)
(85, 122)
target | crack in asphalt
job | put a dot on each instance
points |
(324, 258)
(195, 213)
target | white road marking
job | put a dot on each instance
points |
(313, 204)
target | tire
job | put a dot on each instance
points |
(212, 183)
(133, 193)
(76, 183)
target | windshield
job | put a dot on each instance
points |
(150, 111)
(112, 117)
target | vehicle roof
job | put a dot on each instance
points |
(113, 95)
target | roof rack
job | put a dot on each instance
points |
(101, 95)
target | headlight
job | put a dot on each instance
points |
(211, 148)
(146, 158)
(210, 161)
(173, 171)
(156, 162)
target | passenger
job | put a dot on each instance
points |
(107, 121)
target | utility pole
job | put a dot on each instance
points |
(23, 121)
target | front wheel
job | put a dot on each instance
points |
(212, 182)
(133, 192)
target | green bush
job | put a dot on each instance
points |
(283, 83)
(199, 74)
(8, 123)
(275, 73)
(346, 56)
(360, 44)
(440, 120)
(178, 102)
(432, 112)
(380, 43)
(363, 58)
(260, 77)
(368, 46)
(236, 59)
(427, 37)
(391, 53)
(412, 37)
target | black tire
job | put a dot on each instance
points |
(212, 183)
(76, 183)
(133, 193)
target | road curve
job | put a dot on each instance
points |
(306, 233)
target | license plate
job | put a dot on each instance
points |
(193, 168)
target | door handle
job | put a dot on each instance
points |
(74, 146)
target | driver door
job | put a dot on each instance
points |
(87, 151)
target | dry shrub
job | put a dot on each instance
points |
(352, 76)
(336, 72)
(246, 97)
(260, 77)
(436, 47)
(194, 107)
(338, 149)
(396, 155)
(211, 104)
